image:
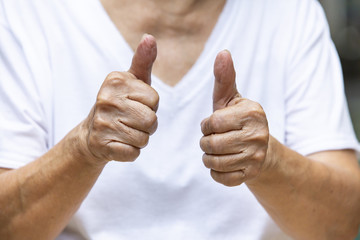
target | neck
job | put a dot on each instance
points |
(178, 7)
(162, 17)
(181, 29)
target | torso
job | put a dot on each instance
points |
(63, 51)
(167, 192)
(181, 34)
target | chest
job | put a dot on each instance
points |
(82, 55)
(176, 58)
(181, 31)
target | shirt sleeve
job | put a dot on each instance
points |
(317, 116)
(23, 131)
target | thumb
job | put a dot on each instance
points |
(225, 86)
(144, 58)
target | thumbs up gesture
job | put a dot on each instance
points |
(123, 116)
(236, 135)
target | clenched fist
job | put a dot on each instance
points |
(124, 115)
(236, 135)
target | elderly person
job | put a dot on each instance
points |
(278, 131)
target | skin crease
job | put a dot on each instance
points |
(310, 197)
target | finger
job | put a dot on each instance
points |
(131, 113)
(144, 58)
(109, 129)
(225, 143)
(223, 120)
(226, 163)
(119, 85)
(234, 142)
(129, 136)
(103, 142)
(122, 152)
(138, 116)
(119, 132)
(144, 94)
(225, 86)
(245, 114)
(230, 179)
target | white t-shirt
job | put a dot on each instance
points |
(54, 56)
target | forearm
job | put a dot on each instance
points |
(309, 199)
(37, 200)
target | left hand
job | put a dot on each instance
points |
(236, 135)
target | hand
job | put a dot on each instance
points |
(236, 135)
(124, 115)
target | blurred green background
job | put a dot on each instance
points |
(344, 20)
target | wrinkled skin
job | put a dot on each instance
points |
(236, 135)
(124, 115)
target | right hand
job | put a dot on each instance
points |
(124, 115)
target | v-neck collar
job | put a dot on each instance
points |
(192, 81)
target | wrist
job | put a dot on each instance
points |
(77, 143)
(272, 155)
(271, 163)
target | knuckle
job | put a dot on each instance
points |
(99, 123)
(102, 99)
(261, 137)
(143, 140)
(209, 144)
(259, 156)
(152, 130)
(231, 163)
(219, 164)
(253, 109)
(215, 122)
(264, 135)
(132, 136)
(206, 161)
(106, 100)
(204, 126)
(253, 113)
(214, 162)
(203, 144)
(150, 120)
(154, 99)
(115, 77)
(254, 106)
(213, 144)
